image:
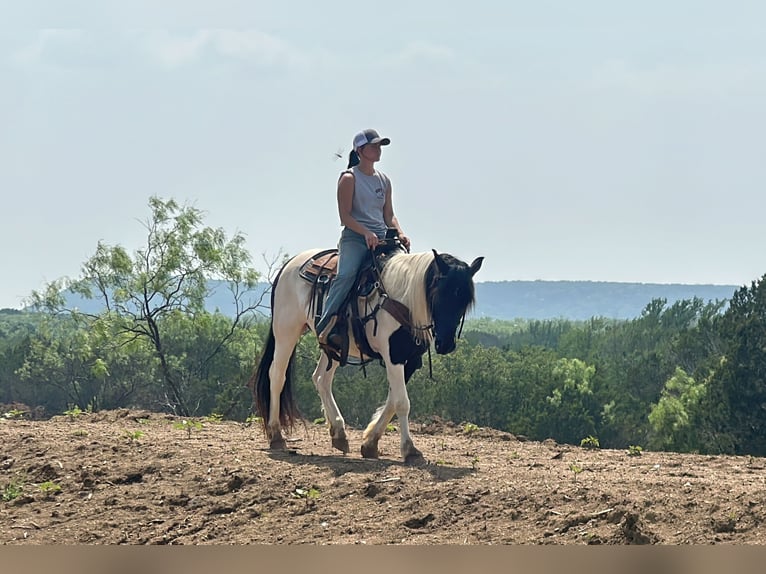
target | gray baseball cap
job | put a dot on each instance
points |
(369, 136)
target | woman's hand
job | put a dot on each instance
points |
(371, 239)
(405, 241)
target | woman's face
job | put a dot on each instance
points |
(370, 152)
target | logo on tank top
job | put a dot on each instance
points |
(379, 193)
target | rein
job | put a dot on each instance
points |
(460, 331)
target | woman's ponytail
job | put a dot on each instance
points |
(353, 159)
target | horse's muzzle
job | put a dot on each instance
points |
(444, 347)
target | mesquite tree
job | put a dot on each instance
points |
(139, 294)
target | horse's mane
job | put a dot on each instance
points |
(404, 278)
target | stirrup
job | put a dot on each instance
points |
(333, 347)
(334, 350)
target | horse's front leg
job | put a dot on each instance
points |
(397, 402)
(323, 378)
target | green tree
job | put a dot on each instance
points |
(471, 384)
(16, 331)
(735, 404)
(634, 359)
(213, 373)
(170, 274)
(673, 417)
(67, 362)
(568, 412)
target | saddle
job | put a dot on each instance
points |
(322, 269)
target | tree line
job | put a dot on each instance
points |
(688, 376)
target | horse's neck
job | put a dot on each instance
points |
(404, 280)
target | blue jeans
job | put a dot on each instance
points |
(352, 249)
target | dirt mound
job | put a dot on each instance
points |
(146, 478)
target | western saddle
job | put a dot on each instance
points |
(320, 271)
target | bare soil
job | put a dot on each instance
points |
(135, 477)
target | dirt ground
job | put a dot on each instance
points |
(134, 477)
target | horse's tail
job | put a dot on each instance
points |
(260, 382)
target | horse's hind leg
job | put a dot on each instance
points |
(323, 378)
(286, 340)
(277, 382)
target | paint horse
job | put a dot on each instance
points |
(436, 290)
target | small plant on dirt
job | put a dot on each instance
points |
(308, 495)
(188, 426)
(320, 421)
(14, 414)
(576, 469)
(80, 432)
(134, 435)
(214, 417)
(469, 428)
(311, 493)
(515, 455)
(12, 491)
(590, 442)
(48, 488)
(635, 450)
(475, 462)
(253, 420)
(73, 413)
(390, 428)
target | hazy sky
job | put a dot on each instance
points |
(601, 140)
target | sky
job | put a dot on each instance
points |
(590, 140)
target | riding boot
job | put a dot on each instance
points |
(325, 334)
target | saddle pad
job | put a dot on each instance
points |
(323, 264)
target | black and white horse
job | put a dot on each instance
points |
(437, 289)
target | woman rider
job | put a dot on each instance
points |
(366, 211)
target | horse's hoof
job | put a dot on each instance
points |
(278, 444)
(370, 451)
(341, 443)
(415, 458)
(410, 454)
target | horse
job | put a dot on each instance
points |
(436, 291)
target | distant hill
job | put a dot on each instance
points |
(580, 300)
(575, 300)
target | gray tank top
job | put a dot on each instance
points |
(368, 201)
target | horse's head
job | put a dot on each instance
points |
(450, 295)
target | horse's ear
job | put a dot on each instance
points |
(476, 265)
(440, 263)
